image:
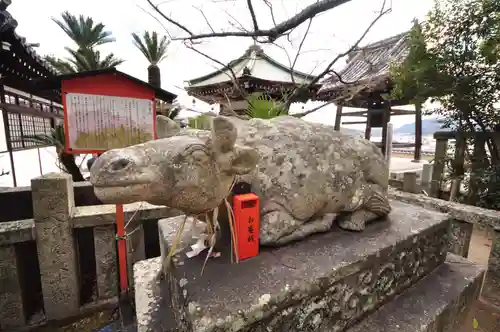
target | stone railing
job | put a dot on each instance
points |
(62, 263)
(465, 218)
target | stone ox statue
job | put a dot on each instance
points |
(307, 175)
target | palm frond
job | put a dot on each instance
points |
(151, 46)
(83, 31)
(59, 65)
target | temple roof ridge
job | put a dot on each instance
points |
(253, 63)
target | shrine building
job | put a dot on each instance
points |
(365, 82)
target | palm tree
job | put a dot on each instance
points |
(90, 59)
(155, 50)
(82, 60)
(83, 31)
(87, 35)
(58, 139)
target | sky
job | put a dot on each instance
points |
(331, 33)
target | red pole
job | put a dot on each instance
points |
(122, 248)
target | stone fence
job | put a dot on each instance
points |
(62, 263)
(465, 218)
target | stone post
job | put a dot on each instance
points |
(491, 286)
(53, 203)
(426, 177)
(410, 182)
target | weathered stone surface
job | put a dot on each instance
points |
(491, 288)
(16, 231)
(106, 262)
(438, 303)
(305, 174)
(462, 212)
(460, 236)
(52, 207)
(11, 301)
(136, 250)
(151, 315)
(326, 283)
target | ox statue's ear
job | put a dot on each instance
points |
(232, 159)
(166, 127)
(223, 135)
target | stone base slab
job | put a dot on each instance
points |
(328, 282)
(439, 303)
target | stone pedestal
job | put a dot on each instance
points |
(328, 282)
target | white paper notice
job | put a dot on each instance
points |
(97, 122)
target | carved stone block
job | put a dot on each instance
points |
(11, 300)
(106, 261)
(439, 303)
(461, 233)
(327, 282)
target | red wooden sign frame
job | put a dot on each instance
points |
(103, 85)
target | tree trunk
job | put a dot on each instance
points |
(154, 76)
(69, 163)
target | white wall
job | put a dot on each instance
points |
(27, 162)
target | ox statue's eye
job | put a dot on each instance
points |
(199, 156)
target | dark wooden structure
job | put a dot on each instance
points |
(254, 71)
(365, 82)
(24, 114)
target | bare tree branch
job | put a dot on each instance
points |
(241, 27)
(331, 101)
(300, 46)
(328, 69)
(205, 17)
(271, 11)
(157, 20)
(270, 35)
(157, 9)
(300, 115)
(282, 29)
(252, 14)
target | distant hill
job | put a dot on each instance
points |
(429, 127)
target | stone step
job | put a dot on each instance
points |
(327, 282)
(440, 302)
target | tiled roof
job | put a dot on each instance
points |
(8, 34)
(256, 64)
(369, 63)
